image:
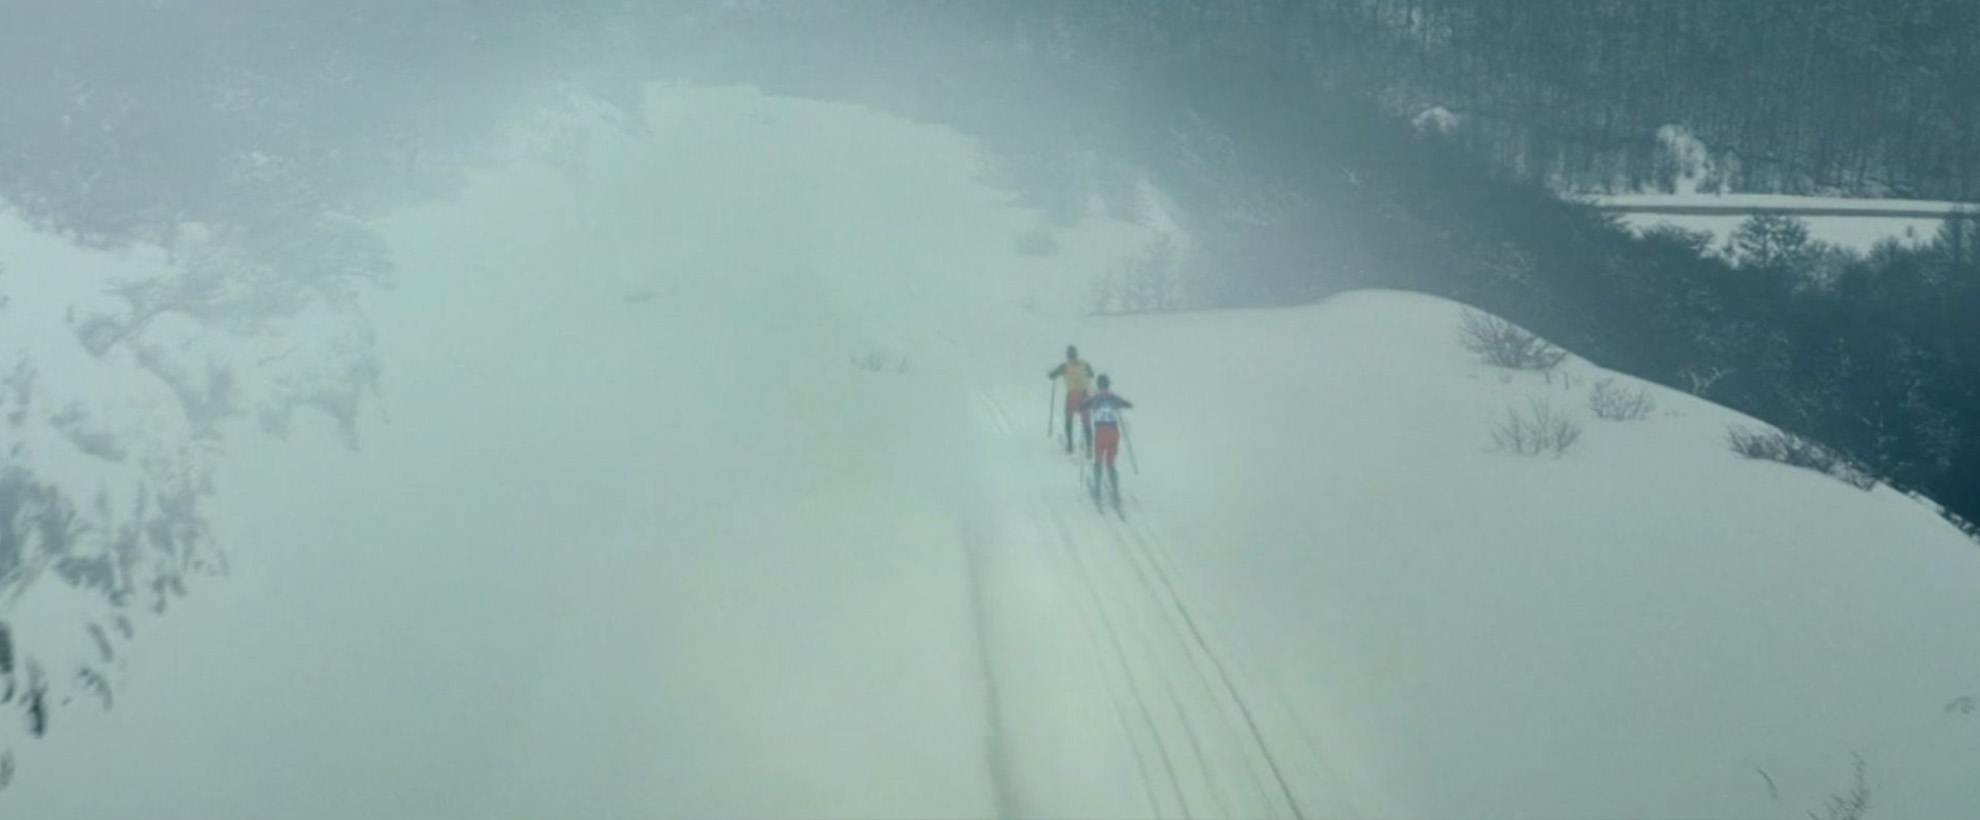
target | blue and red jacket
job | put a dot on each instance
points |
(1106, 408)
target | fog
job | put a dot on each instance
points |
(615, 410)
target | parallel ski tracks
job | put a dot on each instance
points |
(1193, 729)
(1195, 738)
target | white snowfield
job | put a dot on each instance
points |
(1856, 224)
(1781, 202)
(645, 532)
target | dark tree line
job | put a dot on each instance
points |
(1863, 97)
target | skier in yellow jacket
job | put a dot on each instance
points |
(1078, 376)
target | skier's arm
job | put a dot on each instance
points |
(1054, 372)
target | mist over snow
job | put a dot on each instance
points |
(699, 472)
(626, 350)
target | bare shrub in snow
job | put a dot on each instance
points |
(1849, 805)
(1037, 242)
(1505, 344)
(74, 422)
(1614, 403)
(1699, 380)
(1959, 522)
(1103, 294)
(879, 361)
(1148, 282)
(1540, 430)
(1795, 451)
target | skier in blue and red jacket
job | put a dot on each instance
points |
(1105, 409)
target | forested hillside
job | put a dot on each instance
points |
(1801, 96)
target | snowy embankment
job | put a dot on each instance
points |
(1640, 628)
(1782, 203)
(1697, 203)
(1855, 224)
(716, 483)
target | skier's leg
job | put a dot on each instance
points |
(1106, 443)
(1069, 422)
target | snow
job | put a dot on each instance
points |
(1629, 630)
(1859, 232)
(1436, 119)
(636, 537)
(1701, 182)
(109, 435)
(1784, 202)
(1696, 166)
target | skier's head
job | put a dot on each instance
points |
(1105, 382)
(1071, 353)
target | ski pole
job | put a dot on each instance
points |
(1051, 401)
(1129, 441)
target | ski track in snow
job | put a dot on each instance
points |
(1191, 727)
(996, 749)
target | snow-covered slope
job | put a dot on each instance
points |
(118, 372)
(714, 482)
(1637, 629)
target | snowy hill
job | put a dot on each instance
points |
(711, 482)
(1631, 630)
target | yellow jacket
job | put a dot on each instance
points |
(1078, 375)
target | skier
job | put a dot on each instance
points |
(1106, 408)
(1076, 374)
